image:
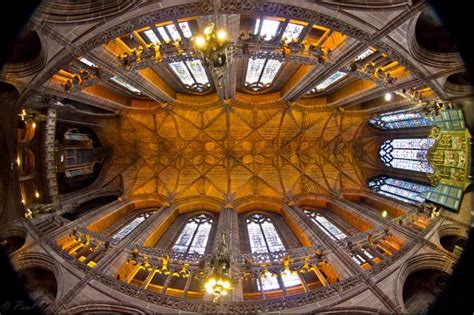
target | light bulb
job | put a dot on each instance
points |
(226, 284)
(221, 35)
(200, 42)
(384, 213)
(37, 194)
(33, 125)
(388, 97)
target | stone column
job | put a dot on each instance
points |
(228, 224)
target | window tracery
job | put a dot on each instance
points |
(399, 189)
(408, 154)
(261, 72)
(194, 236)
(192, 74)
(264, 238)
(405, 118)
(132, 225)
(325, 225)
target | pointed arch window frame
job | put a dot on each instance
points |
(191, 74)
(324, 224)
(199, 220)
(400, 119)
(269, 283)
(403, 154)
(257, 70)
(399, 189)
(130, 226)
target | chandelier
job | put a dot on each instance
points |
(218, 282)
(212, 46)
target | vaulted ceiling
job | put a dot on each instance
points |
(232, 152)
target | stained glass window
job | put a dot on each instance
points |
(164, 34)
(194, 236)
(124, 84)
(364, 55)
(192, 74)
(264, 238)
(408, 154)
(292, 32)
(329, 81)
(127, 229)
(150, 34)
(399, 189)
(87, 62)
(325, 225)
(261, 72)
(184, 26)
(267, 30)
(406, 118)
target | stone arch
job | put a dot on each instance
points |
(429, 41)
(94, 307)
(83, 11)
(432, 263)
(13, 238)
(362, 5)
(43, 274)
(26, 161)
(8, 92)
(451, 235)
(27, 55)
(458, 83)
(26, 131)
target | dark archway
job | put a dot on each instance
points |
(453, 243)
(25, 49)
(12, 243)
(421, 289)
(431, 34)
(40, 283)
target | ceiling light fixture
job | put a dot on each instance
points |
(212, 46)
(388, 96)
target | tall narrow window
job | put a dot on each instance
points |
(192, 74)
(338, 75)
(399, 189)
(408, 154)
(264, 238)
(261, 72)
(194, 236)
(326, 226)
(401, 119)
(132, 225)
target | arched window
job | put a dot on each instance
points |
(325, 225)
(400, 119)
(261, 72)
(408, 154)
(127, 229)
(264, 238)
(399, 189)
(194, 236)
(192, 74)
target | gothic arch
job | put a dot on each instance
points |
(422, 45)
(84, 11)
(458, 84)
(15, 237)
(92, 307)
(40, 261)
(427, 261)
(27, 56)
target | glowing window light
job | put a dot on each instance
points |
(150, 34)
(125, 85)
